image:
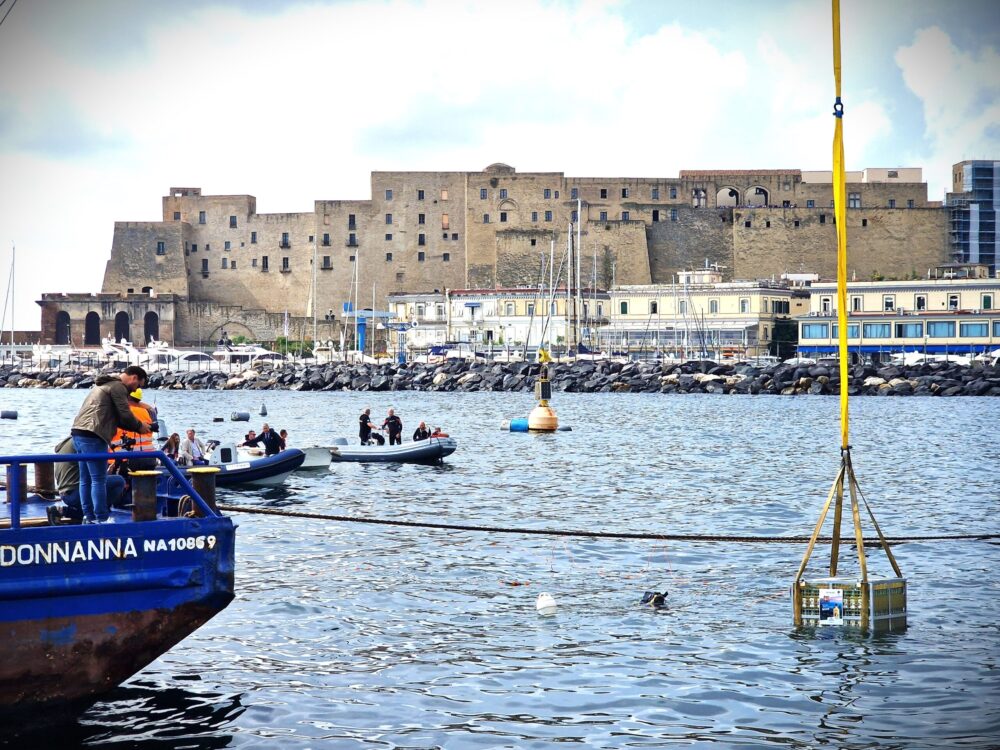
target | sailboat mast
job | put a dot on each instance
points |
(314, 294)
(552, 289)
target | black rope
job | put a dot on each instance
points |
(594, 534)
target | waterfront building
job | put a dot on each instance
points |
(973, 206)
(955, 313)
(701, 315)
(220, 264)
(427, 313)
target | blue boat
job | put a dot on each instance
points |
(84, 607)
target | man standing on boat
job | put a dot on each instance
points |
(394, 425)
(365, 427)
(103, 411)
(269, 438)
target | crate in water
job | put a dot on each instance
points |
(839, 601)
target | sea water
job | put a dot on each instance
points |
(353, 635)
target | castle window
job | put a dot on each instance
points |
(326, 261)
(399, 277)
(388, 218)
(909, 203)
(284, 264)
(352, 240)
(232, 222)
(795, 223)
(767, 224)
(572, 216)
(263, 262)
(673, 192)
(201, 217)
(421, 239)
(547, 193)
(893, 173)
(503, 216)
(420, 195)
(534, 215)
(194, 247)
(557, 194)
(534, 241)
(673, 214)
(454, 235)
(444, 235)
(655, 195)
(444, 195)
(388, 236)
(177, 215)
(225, 262)
(232, 265)
(446, 257)
(204, 266)
(625, 215)
(444, 221)
(864, 222)
(311, 239)
(253, 238)
(854, 200)
(284, 240)
(483, 194)
(326, 239)
(503, 193)
(892, 203)
(548, 216)
(624, 192)
(388, 195)
(253, 262)
(227, 245)
(810, 203)
(574, 193)
(420, 256)
(351, 258)
(207, 247)
(822, 218)
(388, 257)
(604, 192)
(351, 223)
(421, 218)
(161, 247)
(604, 215)
(486, 218)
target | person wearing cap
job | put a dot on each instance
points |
(139, 441)
(103, 411)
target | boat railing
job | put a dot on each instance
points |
(16, 465)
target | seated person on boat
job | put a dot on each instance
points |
(67, 478)
(192, 451)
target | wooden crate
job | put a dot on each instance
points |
(884, 599)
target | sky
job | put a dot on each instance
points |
(106, 104)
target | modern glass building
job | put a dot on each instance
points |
(973, 205)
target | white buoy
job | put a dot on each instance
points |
(546, 605)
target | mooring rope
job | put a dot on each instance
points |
(742, 539)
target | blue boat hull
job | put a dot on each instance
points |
(83, 608)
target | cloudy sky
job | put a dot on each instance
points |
(105, 104)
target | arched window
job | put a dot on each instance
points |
(63, 332)
(92, 330)
(122, 326)
(727, 196)
(151, 327)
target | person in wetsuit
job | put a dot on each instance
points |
(394, 425)
(365, 428)
(421, 433)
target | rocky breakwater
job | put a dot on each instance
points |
(930, 379)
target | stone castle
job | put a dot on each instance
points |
(214, 263)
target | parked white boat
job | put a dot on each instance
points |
(430, 451)
(241, 356)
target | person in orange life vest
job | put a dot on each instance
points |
(137, 441)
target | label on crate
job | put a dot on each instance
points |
(831, 607)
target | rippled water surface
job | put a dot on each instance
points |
(347, 635)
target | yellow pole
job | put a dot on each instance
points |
(840, 218)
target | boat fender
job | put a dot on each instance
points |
(546, 605)
(8, 415)
(654, 599)
(564, 428)
(240, 416)
(515, 425)
(263, 409)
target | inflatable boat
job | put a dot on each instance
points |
(430, 451)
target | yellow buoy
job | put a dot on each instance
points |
(543, 417)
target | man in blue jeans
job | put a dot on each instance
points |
(103, 411)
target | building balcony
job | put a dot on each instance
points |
(284, 244)
(349, 243)
(286, 270)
